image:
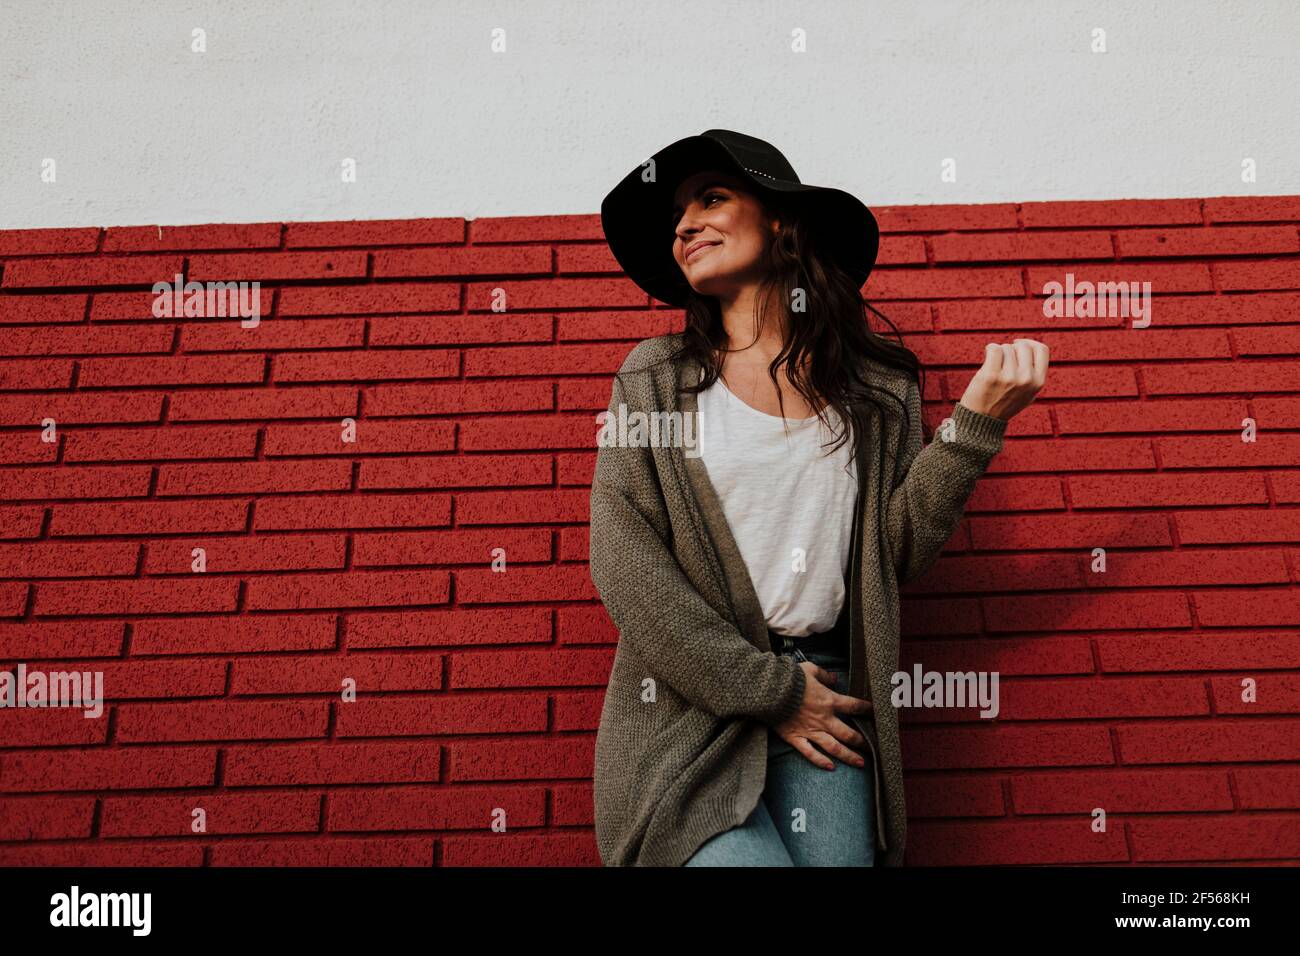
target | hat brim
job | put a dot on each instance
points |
(631, 211)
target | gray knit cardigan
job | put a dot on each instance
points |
(681, 750)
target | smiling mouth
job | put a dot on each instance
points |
(698, 249)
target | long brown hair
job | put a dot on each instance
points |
(828, 332)
(826, 337)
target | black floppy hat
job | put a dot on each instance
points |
(636, 213)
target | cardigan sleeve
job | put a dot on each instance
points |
(677, 635)
(926, 507)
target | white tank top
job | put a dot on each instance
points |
(788, 504)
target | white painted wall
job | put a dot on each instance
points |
(143, 130)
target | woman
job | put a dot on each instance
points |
(751, 563)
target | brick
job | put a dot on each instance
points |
(354, 366)
(522, 584)
(46, 818)
(34, 242)
(221, 720)
(67, 559)
(463, 261)
(82, 340)
(441, 398)
(274, 334)
(1021, 246)
(253, 235)
(1130, 791)
(33, 374)
(562, 758)
(81, 481)
(223, 813)
(160, 444)
(388, 851)
(523, 507)
(945, 217)
(1253, 607)
(1108, 212)
(433, 808)
(369, 437)
(633, 325)
(118, 306)
(544, 667)
(1088, 699)
(173, 370)
(373, 674)
(256, 634)
(1222, 241)
(448, 471)
(97, 408)
(388, 330)
(529, 432)
(536, 229)
(1238, 526)
(160, 680)
(1158, 417)
(1168, 489)
(1027, 843)
(26, 448)
(62, 727)
(1258, 274)
(255, 404)
(333, 763)
(442, 628)
(277, 266)
(258, 477)
(559, 849)
(81, 854)
(16, 309)
(224, 555)
(153, 596)
(108, 768)
(1148, 609)
(292, 512)
(148, 517)
(106, 270)
(392, 297)
(529, 294)
(1191, 451)
(1253, 209)
(1263, 788)
(394, 548)
(1209, 741)
(375, 232)
(989, 746)
(1236, 377)
(1224, 837)
(1198, 651)
(354, 589)
(1165, 277)
(949, 283)
(441, 714)
(31, 640)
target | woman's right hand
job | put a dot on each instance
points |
(815, 722)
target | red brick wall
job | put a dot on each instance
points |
(478, 690)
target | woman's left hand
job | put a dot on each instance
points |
(1008, 380)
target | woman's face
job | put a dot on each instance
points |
(721, 231)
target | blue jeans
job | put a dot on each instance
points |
(806, 816)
